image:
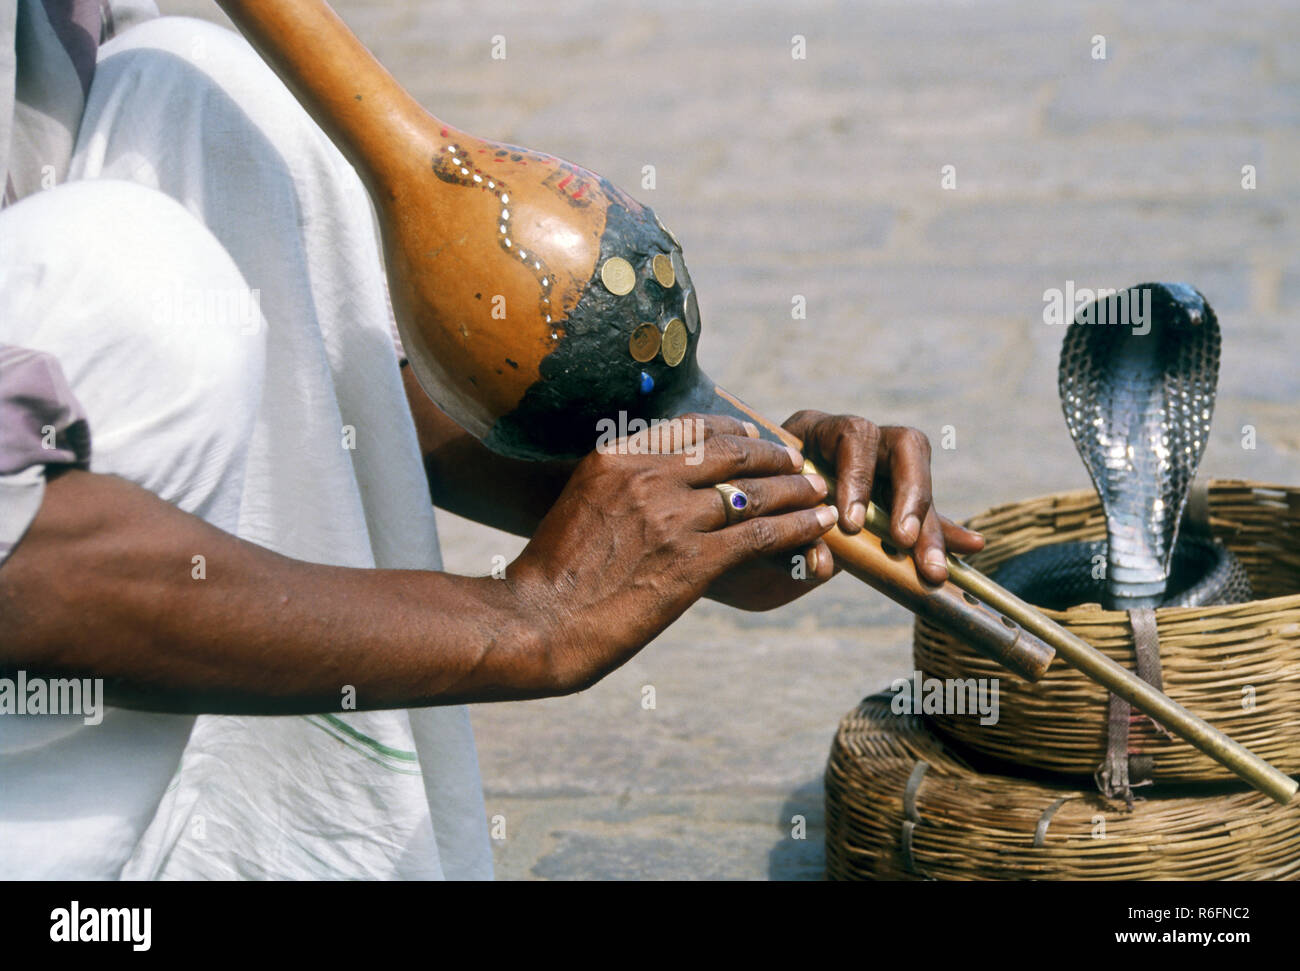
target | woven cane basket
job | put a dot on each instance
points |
(1238, 667)
(901, 804)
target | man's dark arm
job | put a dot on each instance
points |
(103, 585)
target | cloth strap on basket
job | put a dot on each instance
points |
(1123, 768)
(912, 817)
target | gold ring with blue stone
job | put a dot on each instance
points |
(734, 502)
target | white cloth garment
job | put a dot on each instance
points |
(233, 352)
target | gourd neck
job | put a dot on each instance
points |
(380, 128)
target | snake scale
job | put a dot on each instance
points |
(1138, 375)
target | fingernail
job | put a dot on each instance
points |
(936, 559)
(857, 514)
(795, 457)
(911, 526)
(827, 515)
(818, 483)
(750, 429)
(812, 561)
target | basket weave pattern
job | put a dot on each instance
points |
(973, 826)
(1040, 816)
(1237, 666)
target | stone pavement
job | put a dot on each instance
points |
(821, 177)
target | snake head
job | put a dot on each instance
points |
(1138, 374)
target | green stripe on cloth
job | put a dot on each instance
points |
(395, 760)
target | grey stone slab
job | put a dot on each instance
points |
(1147, 80)
(734, 708)
(1152, 234)
(851, 165)
(1289, 290)
(742, 836)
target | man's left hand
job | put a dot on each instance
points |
(889, 463)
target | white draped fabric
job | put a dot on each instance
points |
(210, 282)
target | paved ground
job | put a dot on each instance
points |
(821, 177)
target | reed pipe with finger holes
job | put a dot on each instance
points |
(604, 320)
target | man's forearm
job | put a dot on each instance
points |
(468, 479)
(105, 585)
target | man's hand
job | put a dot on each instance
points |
(635, 539)
(890, 464)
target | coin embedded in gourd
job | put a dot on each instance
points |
(644, 343)
(691, 308)
(662, 266)
(674, 342)
(618, 276)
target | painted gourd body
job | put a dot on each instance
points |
(540, 298)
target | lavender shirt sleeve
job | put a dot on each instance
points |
(41, 424)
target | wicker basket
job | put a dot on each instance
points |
(1238, 667)
(959, 824)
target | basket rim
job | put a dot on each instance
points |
(1260, 605)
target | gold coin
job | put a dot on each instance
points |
(618, 276)
(675, 340)
(663, 270)
(644, 344)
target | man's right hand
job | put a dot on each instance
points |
(635, 539)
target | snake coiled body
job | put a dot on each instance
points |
(1064, 575)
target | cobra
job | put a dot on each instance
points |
(1138, 404)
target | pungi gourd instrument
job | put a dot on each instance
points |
(601, 318)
